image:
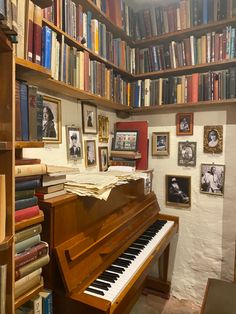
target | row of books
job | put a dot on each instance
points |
(8, 19)
(181, 15)
(39, 304)
(193, 50)
(197, 87)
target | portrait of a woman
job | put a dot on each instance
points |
(51, 123)
(48, 123)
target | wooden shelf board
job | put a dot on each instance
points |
(28, 222)
(43, 3)
(24, 144)
(28, 295)
(25, 67)
(5, 145)
(6, 244)
(5, 44)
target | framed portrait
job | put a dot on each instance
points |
(178, 191)
(103, 129)
(89, 118)
(160, 143)
(51, 123)
(212, 179)
(90, 153)
(187, 154)
(213, 139)
(125, 141)
(74, 142)
(184, 123)
(103, 158)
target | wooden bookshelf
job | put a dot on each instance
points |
(28, 295)
(5, 145)
(7, 243)
(29, 222)
(43, 3)
(24, 144)
(25, 68)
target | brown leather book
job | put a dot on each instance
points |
(37, 34)
(27, 161)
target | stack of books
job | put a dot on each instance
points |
(41, 303)
(52, 186)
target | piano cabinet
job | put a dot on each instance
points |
(86, 236)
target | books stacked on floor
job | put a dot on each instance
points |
(41, 303)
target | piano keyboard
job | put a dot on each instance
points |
(114, 279)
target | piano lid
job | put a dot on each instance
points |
(83, 257)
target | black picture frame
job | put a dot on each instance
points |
(89, 118)
(212, 179)
(178, 191)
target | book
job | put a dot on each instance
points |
(2, 207)
(26, 213)
(28, 178)
(24, 111)
(28, 233)
(27, 185)
(27, 286)
(27, 202)
(37, 31)
(27, 243)
(45, 196)
(18, 131)
(3, 283)
(27, 161)
(19, 195)
(29, 170)
(125, 154)
(50, 189)
(52, 180)
(19, 283)
(47, 304)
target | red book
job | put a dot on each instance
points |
(37, 34)
(115, 12)
(26, 213)
(30, 31)
(194, 93)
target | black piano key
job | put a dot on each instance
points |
(104, 283)
(145, 236)
(109, 274)
(133, 251)
(137, 246)
(95, 291)
(116, 269)
(150, 233)
(100, 286)
(106, 278)
(140, 241)
(121, 262)
(128, 256)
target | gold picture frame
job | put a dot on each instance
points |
(90, 153)
(160, 143)
(213, 139)
(103, 158)
(103, 129)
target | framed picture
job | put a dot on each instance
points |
(187, 154)
(213, 139)
(51, 125)
(103, 158)
(178, 191)
(125, 141)
(89, 118)
(184, 123)
(74, 142)
(212, 179)
(103, 129)
(160, 143)
(90, 153)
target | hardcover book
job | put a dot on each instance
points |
(2, 207)
(26, 213)
(27, 243)
(28, 233)
(28, 202)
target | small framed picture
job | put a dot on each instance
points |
(187, 154)
(213, 139)
(103, 158)
(74, 142)
(212, 179)
(51, 125)
(125, 141)
(184, 123)
(90, 153)
(160, 143)
(178, 191)
(103, 129)
(89, 118)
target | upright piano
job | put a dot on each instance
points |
(102, 251)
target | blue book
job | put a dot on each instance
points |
(104, 6)
(89, 35)
(24, 111)
(46, 47)
(27, 202)
(136, 95)
(46, 295)
(27, 185)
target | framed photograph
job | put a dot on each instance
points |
(125, 141)
(160, 143)
(89, 118)
(74, 142)
(178, 191)
(212, 179)
(90, 153)
(103, 129)
(184, 123)
(103, 158)
(187, 154)
(51, 125)
(213, 139)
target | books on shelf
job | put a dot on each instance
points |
(48, 180)
(50, 188)
(28, 282)
(27, 202)
(45, 196)
(3, 283)
(125, 154)
(2, 207)
(28, 233)
(47, 304)
(27, 243)
(36, 304)
(30, 170)
(26, 213)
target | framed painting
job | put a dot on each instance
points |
(90, 153)
(178, 191)
(187, 154)
(74, 142)
(213, 139)
(51, 123)
(125, 141)
(184, 123)
(160, 143)
(212, 179)
(103, 158)
(103, 129)
(89, 118)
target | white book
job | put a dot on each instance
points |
(52, 180)
(147, 92)
(2, 207)
(3, 284)
(28, 277)
(50, 195)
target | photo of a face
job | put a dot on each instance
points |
(51, 128)
(178, 191)
(161, 143)
(90, 150)
(74, 144)
(212, 179)
(213, 139)
(187, 154)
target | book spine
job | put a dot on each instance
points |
(3, 284)
(30, 255)
(37, 38)
(26, 269)
(30, 170)
(26, 213)
(28, 233)
(30, 31)
(27, 243)
(24, 111)
(2, 208)
(28, 202)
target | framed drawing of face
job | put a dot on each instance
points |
(89, 118)
(160, 143)
(184, 123)
(187, 154)
(51, 125)
(103, 158)
(103, 129)
(212, 179)
(90, 153)
(213, 139)
(125, 141)
(74, 142)
(178, 191)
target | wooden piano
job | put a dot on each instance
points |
(102, 251)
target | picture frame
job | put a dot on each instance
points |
(90, 153)
(187, 154)
(89, 118)
(103, 129)
(184, 123)
(212, 179)
(125, 140)
(51, 123)
(213, 139)
(103, 158)
(160, 143)
(178, 191)
(74, 142)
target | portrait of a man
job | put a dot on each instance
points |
(74, 147)
(178, 191)
(212, 179)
